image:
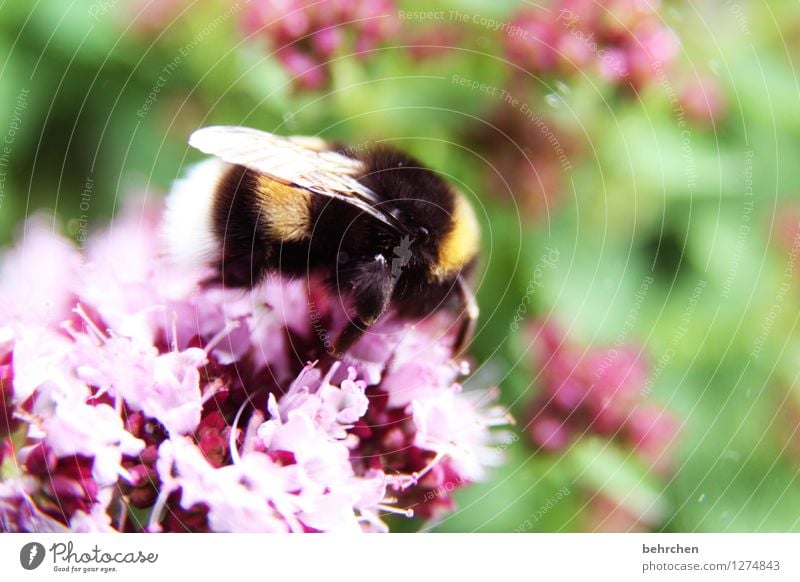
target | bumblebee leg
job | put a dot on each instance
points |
(371, 296)
(469, 316)
(245, 271)
(352, 332)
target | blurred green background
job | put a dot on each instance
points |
(98, 99)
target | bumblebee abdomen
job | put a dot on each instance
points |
(261, 225)
(249, 204)
(240, 221)
(286, 211)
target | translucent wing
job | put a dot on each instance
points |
(300, 161)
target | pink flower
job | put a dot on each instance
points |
(76, 428)
(704, 100)
(625, 41)
(40, 357)
(96, 520)
(595, 391)
(450, 424)
(307, 34)
(135, 385)
(535, 50)
(550, 433)
(39, 276)
(249, 496)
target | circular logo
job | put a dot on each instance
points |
(31, 555)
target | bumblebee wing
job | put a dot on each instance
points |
(304, 162)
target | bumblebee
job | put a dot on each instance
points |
(379, 228)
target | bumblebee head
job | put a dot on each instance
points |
(438, 238)
(437, 222)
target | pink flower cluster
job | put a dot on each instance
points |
(595, 391)
(135, 398)
(624, 41)
(307, 34)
